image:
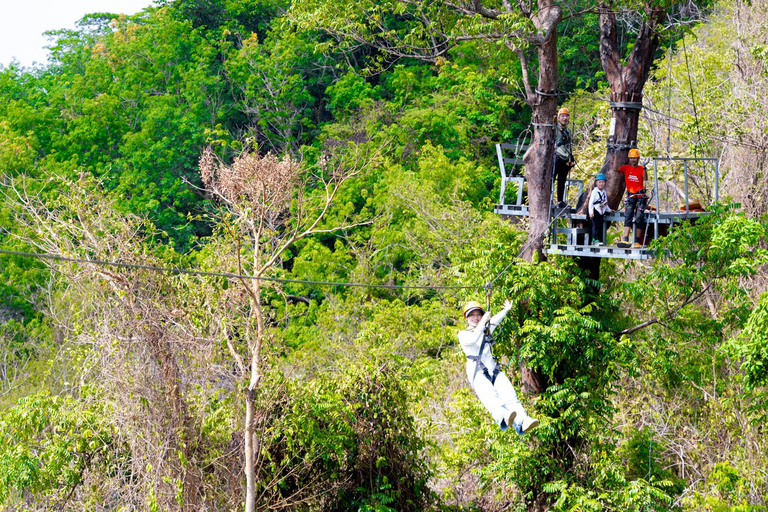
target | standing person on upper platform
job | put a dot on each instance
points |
(635, 177)
(598, 207)
(563, 154)
(485, 376)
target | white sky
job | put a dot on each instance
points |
(22, 23)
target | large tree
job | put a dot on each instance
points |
(626, 83)
(627, 71)
(427, 31)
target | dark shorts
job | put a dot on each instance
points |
(633, 211)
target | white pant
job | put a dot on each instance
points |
(498, 398)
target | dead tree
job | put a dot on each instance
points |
(268, 204)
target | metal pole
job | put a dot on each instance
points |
(685, 172)
(552, 208)
(503, 170)
(717, 179)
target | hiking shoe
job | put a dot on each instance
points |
(597, 243)
(624, 243)
(511, 418)
(529, 424)
(637, 245)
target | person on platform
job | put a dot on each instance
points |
(635, 176)
(598, 207)
(563, 154)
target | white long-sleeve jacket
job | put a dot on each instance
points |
(470, 340)
(595, 202)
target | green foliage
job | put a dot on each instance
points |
(751, 345)
(132, 100)
(713, 253)
(349, 94)
(345, 441)
(49, 442)
(725, 490)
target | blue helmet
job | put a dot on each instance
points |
(599, 177)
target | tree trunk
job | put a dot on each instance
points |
(539, 158)
(251, 446)
(251, 443)
(626, 98)
(180, 420)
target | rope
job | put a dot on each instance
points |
(669, 97)
(176, 270)
(693, 98)
(489, 285)
(550, 94)
(634, 105)
(617, 146)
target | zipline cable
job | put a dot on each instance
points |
(669, 98)
(176, 270)
(489, 285)
(693, 97)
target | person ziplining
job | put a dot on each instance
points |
(492, 387)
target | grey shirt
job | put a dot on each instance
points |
(563, 143)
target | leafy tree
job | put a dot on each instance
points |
(427, 31)
(50, 445)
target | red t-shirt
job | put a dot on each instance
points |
(633, 177)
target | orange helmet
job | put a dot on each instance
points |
(634, 153)
(563, 111)
(472, 306)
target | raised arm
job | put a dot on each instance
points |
(498, 317)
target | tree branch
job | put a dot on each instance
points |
(668, 316)
(609, 46)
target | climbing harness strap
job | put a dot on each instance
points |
(479, 365)
(565, 138)
(635, 195)
(601, 198)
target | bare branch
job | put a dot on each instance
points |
(670, 315)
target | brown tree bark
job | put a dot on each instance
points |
(543, 102)
(626, 84)
(180, 419)
(539, 158)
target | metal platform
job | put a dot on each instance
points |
(601, 251)
(520, 210)
(650, 216)
(577, 238)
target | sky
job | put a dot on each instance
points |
(23, 22)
